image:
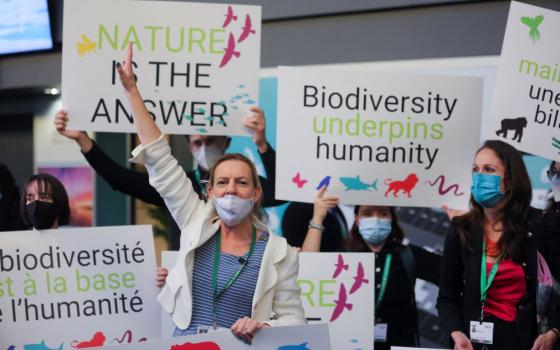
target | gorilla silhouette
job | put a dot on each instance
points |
(517, 124)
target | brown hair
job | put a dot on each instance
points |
(515, 205)
(47, 184)
(256, 213)
(355, 242)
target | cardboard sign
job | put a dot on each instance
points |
(525, 109)
(277, 338)
(74, 287)
(377, 138)
(196, 64)
(339, 289)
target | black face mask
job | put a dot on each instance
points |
(41, 215)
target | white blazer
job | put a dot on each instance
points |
(276, 300)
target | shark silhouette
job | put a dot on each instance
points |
(229, 51)
(86, 45)
(355, 183)
(302, 346)
(359, 279)
(41, 346)
(340, 303)
(229, 17)
(325, 182)
(533, 24)
(247, 29)
(339, 266)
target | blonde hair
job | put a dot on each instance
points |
(256, 212)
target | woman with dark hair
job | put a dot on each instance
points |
(9, 201)
(487, 296)
(44, 204)
(376, 229)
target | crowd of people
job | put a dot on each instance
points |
(233, 272)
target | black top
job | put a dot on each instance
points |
(137, 184)
(459, 293)
(296, 221)
(398, 307)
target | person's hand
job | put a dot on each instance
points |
(322, 204)
(461, 341)
(451, 213)
(82, 138)
(245, 328)
(161, 275)
(545, 341)
(126, 73)
(256, 122)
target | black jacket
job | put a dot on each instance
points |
(459, 292)
(137, 184)
(398, 307)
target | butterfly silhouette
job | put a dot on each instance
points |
(298, 180)
(533, 24)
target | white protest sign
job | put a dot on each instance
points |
(277, 338)
(77, 287)
(525, 109)
(377, 138)
(197, 64)
(338, 288)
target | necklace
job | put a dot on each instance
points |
(493, 249)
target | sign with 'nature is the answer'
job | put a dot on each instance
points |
(377, 138)
(196, 65)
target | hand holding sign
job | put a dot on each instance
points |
(256, 122)
(322, 204)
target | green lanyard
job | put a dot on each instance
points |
(486, 282)
(233, 278)
(384, 280)
(199, 181)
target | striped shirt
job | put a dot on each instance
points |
(234, 303)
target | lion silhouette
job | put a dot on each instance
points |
(406, 185)
(516, 124)
(97, 340)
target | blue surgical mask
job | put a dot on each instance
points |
(485, 189)
(374, 230)
(232, 209)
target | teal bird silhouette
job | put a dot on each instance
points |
(533, 24)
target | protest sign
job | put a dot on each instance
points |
(525, 109)
(196, 64)
(75, 287)
(377, 138)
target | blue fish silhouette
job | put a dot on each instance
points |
(40, 346)
(325, 182)
(354, 183)
(202, 130)
(302, 346)
(11, 347)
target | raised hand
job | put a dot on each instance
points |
(82, 138)
(256, 122)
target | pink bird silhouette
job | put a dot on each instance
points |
(298, 180)
(229, 17)
(229, 51)
(339, 266)
(359, 279)
(340, 303)
(247, 29)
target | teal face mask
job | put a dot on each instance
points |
(374, 230)
(485, 189)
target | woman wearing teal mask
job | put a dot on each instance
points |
(376, 229)
(487, 297)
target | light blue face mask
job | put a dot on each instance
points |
(374, 230)
(485, 189)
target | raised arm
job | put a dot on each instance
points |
(146, 128)
(314, 234)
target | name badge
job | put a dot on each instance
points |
(380, 332)
(209, 329)
(482, 332)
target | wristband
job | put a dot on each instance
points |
(320, 228)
